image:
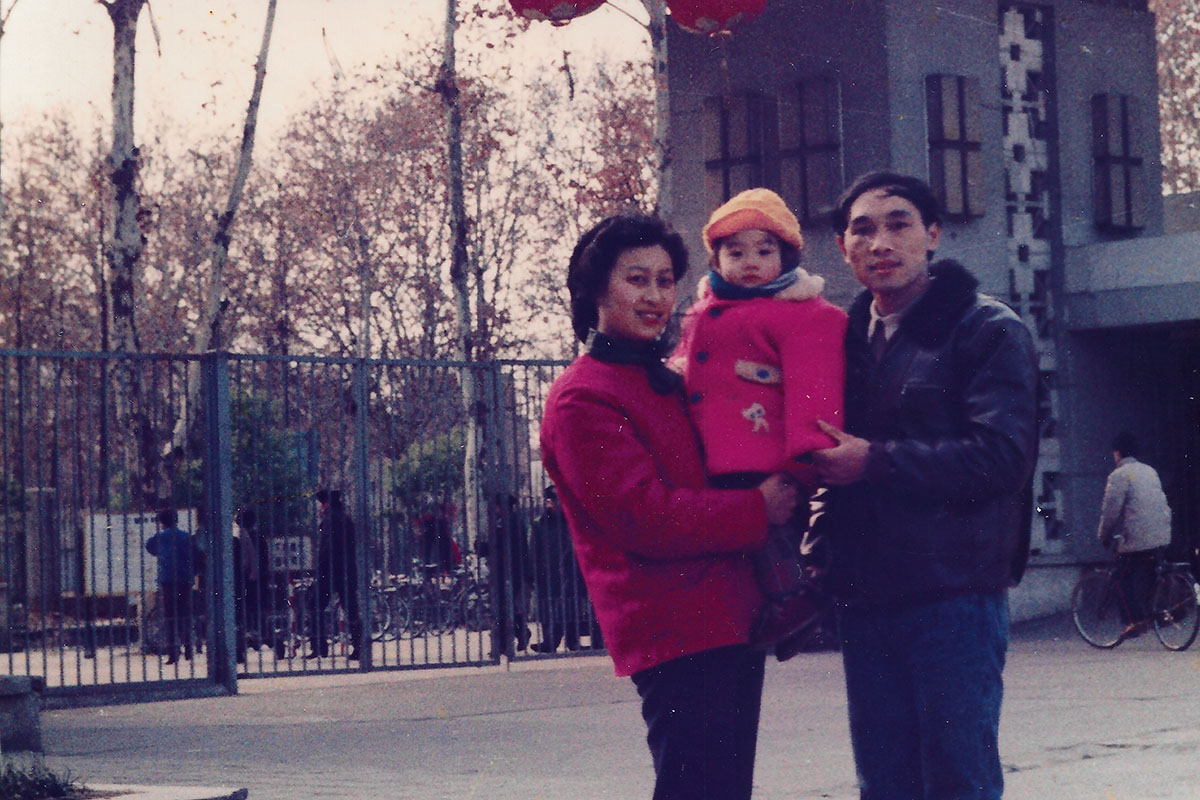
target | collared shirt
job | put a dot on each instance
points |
(890, 322)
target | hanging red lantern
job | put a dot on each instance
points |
(557, 12)
(714, 16)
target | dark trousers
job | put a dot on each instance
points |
(701, 715)
(924, 688)
(177, 617)
(1136, 571)
(323, 589)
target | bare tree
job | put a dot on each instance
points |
(4, 15)
(211, 334)
(1178, 24)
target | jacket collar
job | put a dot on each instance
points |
(932, 317)
(647, 355)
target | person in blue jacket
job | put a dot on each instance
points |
(176, 573)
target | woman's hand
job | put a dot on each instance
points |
(780, 496)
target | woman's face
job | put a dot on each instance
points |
(640, 295)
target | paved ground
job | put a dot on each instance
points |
(1079, 724)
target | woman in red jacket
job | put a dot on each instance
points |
(663, 556)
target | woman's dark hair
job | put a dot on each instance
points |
(789, 254)
(914, 190)
(1126, 444)
(596, 254)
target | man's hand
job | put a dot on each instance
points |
(844, 463)
(780, 496)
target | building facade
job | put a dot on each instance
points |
(1037, 123)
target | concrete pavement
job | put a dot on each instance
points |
(1079, 724)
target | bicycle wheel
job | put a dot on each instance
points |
(440, 611)
(1176, 617)
(475, 609)
(402, 615)
(1095, 608)
(381, 617)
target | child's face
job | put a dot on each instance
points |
(749, 258)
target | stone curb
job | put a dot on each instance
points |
(134, 792)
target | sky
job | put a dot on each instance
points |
(58, 53)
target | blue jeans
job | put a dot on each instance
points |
(924, 688)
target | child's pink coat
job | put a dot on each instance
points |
(759, 373)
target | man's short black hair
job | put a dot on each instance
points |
(168, 518)
(596, 254)
(914, 190)
(1126, 444)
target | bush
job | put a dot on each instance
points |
(36, 782)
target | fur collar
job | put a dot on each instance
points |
(933, 317)
(806, 287)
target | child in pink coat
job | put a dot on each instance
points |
(762, 359)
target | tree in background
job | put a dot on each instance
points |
(1179, 92)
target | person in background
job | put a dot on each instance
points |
(664, 556)
(438, 548)
(176, 573)
(561, 598)
(509, 568)
(247, 547)
(1135, 516)
(336, 572)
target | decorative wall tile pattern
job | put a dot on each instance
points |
(1028, 175)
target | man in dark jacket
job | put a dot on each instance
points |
(336, 570)
(928, 512)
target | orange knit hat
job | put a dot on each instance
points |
(753, 208)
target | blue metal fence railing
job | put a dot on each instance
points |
(333, 514)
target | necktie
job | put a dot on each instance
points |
(878, 341)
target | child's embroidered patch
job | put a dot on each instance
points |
(758, 416)
(757, 373)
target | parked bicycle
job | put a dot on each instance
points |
(1100, 608)
(428, 600)
(288, 626)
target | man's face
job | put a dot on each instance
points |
(887, 246)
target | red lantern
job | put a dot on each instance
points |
(714, 16)
(557, 12)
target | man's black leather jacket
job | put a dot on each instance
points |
(951, 414)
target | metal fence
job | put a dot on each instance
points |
(433, 545)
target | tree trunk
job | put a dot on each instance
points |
(124, 242)
(447, 85)
(212, 335)
(4, 15)
(662, 104)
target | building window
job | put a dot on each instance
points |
(810, 158)
(955, 158)
(1116, 167)
(738, 139)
